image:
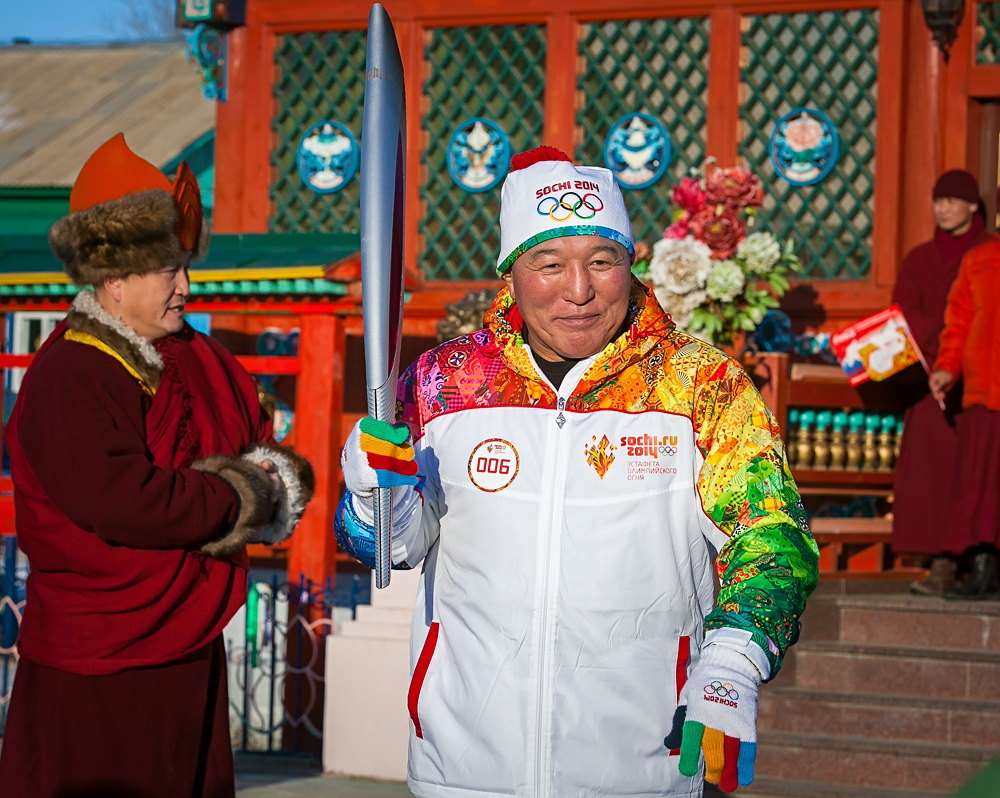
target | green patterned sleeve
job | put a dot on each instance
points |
(768, 560)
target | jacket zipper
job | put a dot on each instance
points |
(548, 563)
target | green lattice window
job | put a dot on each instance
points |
(988, 33)
(497, 73)
(319, 76)
(659, 67)
(827, 61)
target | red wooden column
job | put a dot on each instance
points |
(318, 405)
(723, 134)
(561, 100)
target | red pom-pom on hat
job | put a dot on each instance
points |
(525, 159)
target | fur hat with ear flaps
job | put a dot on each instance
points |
(127, 218)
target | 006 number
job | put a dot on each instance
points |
(492, 465)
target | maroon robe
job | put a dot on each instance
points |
(121, 685)
(928, 451)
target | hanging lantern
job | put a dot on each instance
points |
(943, 18)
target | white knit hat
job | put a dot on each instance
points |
(545, 196)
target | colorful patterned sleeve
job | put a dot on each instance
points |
(768, 563)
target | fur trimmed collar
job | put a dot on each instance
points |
(88, 316)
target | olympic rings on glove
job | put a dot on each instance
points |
(722, 690)
(572, 209)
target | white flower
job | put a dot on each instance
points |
(760, 252)
(725, 281)
(680, 265)
(681, 307)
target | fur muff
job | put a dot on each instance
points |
(298, 486)
(259, 501)
(131, 235)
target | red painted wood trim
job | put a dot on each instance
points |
(722, 135)
(984, 81)
(15, 361)
(319, 400)
(411, 44)
(955, 111)
(888, 143)
(315, 14)
(561, 66)
(922, 126)
(230, 138)
(417, 682)
(260, 105)
(271, 365)
(681, 675)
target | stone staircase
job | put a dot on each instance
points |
(885, 696)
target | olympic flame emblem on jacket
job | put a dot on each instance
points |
(601, 455)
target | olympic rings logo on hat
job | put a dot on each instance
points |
(571, 209)
(722, 690)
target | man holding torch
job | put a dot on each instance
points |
(566, 478)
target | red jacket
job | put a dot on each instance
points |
(108, 510)
(970, 341)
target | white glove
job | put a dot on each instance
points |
(717, 715)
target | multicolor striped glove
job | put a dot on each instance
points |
(717, 715)
(378, 455)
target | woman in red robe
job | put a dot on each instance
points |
(141, 470)
(929, 445)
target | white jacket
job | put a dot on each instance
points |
(567, 565)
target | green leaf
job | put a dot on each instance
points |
(770, 302)
(778, 283)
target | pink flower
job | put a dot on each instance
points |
(803, 133)
(688, 194)
(678, 229)
(733, 188)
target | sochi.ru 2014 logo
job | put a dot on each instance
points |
(493, 465)
(654, 446)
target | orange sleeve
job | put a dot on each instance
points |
(957, 321)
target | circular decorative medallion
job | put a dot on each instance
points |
(804, 146)
(328, 157)
(478, 155)
(638, 150)
(493, 465)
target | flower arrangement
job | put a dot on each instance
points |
(707, 270)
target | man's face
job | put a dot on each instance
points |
(954, 215)
(152, 304)
(572, 293)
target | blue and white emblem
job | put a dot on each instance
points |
(478, 155)
(328, 157)
(804, 147)
(638, 150)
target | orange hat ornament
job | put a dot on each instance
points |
(127, 218)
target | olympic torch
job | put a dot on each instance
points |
(383, 159)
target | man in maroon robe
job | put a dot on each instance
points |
(927, 452)
(141, 467)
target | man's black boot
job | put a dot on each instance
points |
(982, 581)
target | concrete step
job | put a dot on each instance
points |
(375, 631)
(764, 787)
(896, 670)
(960, 721)
(861, 761)
(398, 616)
(908, 621)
